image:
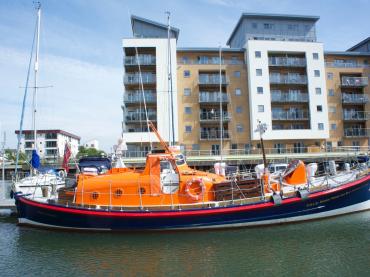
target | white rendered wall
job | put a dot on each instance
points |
(264, 81)
(162, 88)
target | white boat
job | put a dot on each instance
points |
(38, 184)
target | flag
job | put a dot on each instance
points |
(67, 155)
(35, 160)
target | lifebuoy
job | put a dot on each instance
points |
(195, 196)
(61, 174)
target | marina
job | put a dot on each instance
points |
(246, 159)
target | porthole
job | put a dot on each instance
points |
(142, 191)
(118, 193)
(95, 195)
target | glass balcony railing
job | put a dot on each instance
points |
(140, 116)
(141, 59)
(214, 116)
(287, 61)
(288, 79)
(212, 79)
(139, 98)
(206, 97)
(211, 61)
(289, 97)
(214, 134)
(346, 65)
(356, 115)
(354, 81)
(355, 98)
(356, 132)
(135, 78)
(290, 115)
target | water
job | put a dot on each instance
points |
(331, 247)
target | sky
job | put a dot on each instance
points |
(81, 51)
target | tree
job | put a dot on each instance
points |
(11, 155)
(83, 152)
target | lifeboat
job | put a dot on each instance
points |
(168, 194)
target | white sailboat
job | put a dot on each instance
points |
(37, 184)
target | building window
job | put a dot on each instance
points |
(332, 109)
(187, 91)
(315, 56)
(268, 26)
(239, 128)
(330, 76)
(238, 92)
(259, 72)
(260, 90)
(254, 25)
(187, 129)
(331, 92)
(28, 144)
(319, 108)
(237, 74)
(257, 54)
(318, 91)
(195, 146)
(234, 146)
(186, 73)
(234, 60)
(261, 108)
(317, 73)
(188, 110)
(185, 60)
(239, 109)
(293, 27)
(320, 126)
(333, 126)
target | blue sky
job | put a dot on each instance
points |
(81, 55)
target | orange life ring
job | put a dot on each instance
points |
(195, 196)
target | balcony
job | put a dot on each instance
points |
(354, 98)
(212, 98)
(140, 60)
(211, 61)
(356, 132)
(213, 116)
(134, 98)
(212, 79)
(135, 78)
(289, 97)
(288, 79)
(290, 115)
(346, 65)
(354, 81)
(132, 117)
(214, 135)
(356, 115)
(287, 62)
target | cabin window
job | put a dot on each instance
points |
(118, 193)
(95, 195)
(142, 190)
(180, 159)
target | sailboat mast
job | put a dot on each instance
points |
(36, 68)
(170, 88)
(221, 115)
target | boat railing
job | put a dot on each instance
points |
(237, 195)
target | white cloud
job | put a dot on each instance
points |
(85, 98)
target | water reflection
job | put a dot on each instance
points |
(338, 246)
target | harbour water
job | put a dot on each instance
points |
(331, 247)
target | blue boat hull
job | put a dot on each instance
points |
(347, 198)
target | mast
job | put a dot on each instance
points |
(36, 68)
(221, 115)
(171, 139)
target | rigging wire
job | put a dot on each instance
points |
(25, 99)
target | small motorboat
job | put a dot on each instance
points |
(168, 195)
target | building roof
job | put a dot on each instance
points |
(345, 53)
(271, 16)
(134, 18)
(208, 49)
(366, 40)
(54, 131)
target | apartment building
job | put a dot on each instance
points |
(50, 143)
(274, 71)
